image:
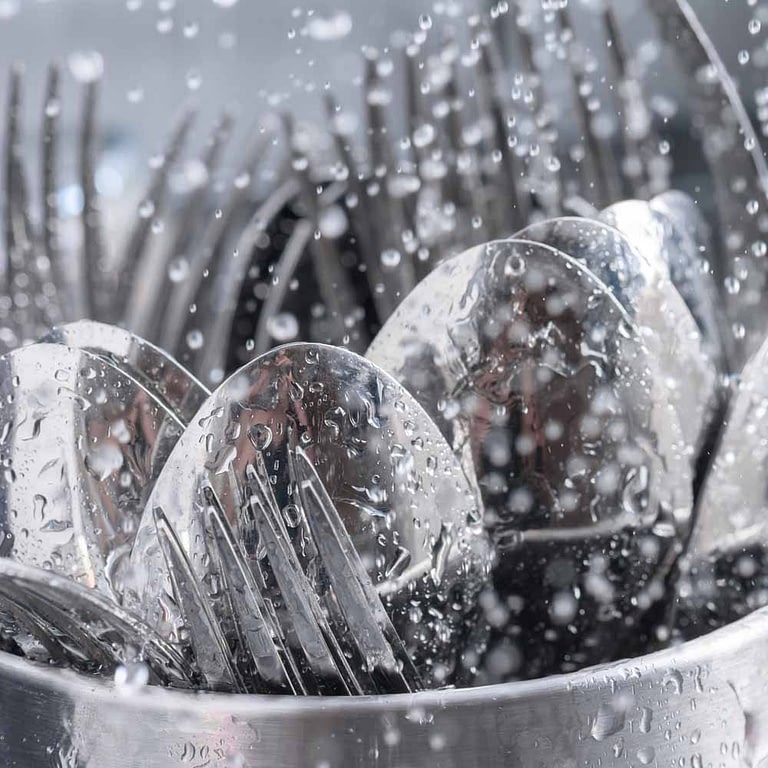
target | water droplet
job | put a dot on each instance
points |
(194, 79)
(332, 222)
(260, 436)
(178, 269)
(191, 29)
(131, 677)
(608, 721)
(329, 28)
(646, 755)
(135, 95)
(391, 258)
(283, 327)
(146, 209)
(195, 339)
(86, 66)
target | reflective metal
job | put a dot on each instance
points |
(724, 574)
(732, 150)
(83, 629)
(81, 445)
(404, 501)
(157, 371)
(703, 702)
(630, 263)
(543, 385)
(691, 258)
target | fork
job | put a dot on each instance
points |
(484, 156)
(288, 637)
(82, 628)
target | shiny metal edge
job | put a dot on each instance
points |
(704, 700)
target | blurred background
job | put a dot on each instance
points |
(147, 61)
(252, 56)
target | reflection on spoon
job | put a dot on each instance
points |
(543, 384)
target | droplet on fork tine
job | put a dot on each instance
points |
(212, 655)
(367, 622)
(393, 483)
(324, 658)
(256, 622)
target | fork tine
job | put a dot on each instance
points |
(29, 620)
(366, 236)
(93, 651)
(93, 254)
(271, 659)
(386, 209)
(212, 654)
(317, 641)
(469, 191)
(290, 259)
(547, 187)
(369, 625)
(61, 277)
(21, 238)
(19, 232)
(514, 182)
(212, 257)
(607, 164)
(218, 303)
(425, 150)
(12, 204)
(587, 169)
(641, 150)
(151, 284)
(334, 284)
(129, 262)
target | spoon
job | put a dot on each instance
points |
(323, 464)
(691, 262)
(737, 169)
(542, 383)
(670, 233)
(154, 369)
(82, 443)
(633, 269)
(723, 574)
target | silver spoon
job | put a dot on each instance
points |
(694, 276)
(670, 228)
(723, 573)
(632, 267)
(307, 437)
(157, 371)
(541, 382)
(738, 172)
(82, 443)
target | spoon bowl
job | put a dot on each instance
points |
(542, 383)
(82, 444)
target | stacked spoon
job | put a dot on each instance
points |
(311, 527)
